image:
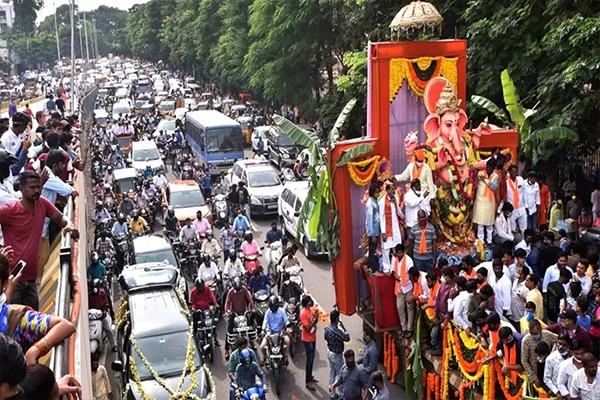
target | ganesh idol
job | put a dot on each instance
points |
(451, 155)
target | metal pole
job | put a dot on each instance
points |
(96, 38)
(79, 28)
(87, 46)
(56, 32)
(72, 55)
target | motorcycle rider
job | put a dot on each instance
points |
(275, 321)
(208, 270)
(206, 183)
(201, 299)
(187, 232)
(275, 234)
(289, 289)
(201, 224)
(247, 375)
(97, 299)
(161, 181)
(250, 246)
(238, 300)
(138, 224)
(234, 360)
(109, 178)
(233, 266)
(141, 199)
(149, 189)
(227, 236)
(127, 205)
(240, 223)
(148, 172)
(171, 221)
(96, 270)
(259, 281)
(120, 226)
(211, 245)
(104, 244)
(101, 215)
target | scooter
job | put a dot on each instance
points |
(261, 302)
(291, 310)
(254, 393)
(273, 256)
(220, 209)
(276, 360)
(97, 335)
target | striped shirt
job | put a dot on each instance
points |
(430, 237)
(335, 338)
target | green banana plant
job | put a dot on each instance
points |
(536, 142)
(319, 214)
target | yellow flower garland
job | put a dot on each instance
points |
(400, 70)
(359, 177)
(470, 342)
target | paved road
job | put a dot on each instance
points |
(317, 279)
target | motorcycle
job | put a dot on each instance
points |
(261, 302)
(97, 335)
(242, 328)
(291, 310)
(205, 333)
(254, 393)
(220, 210)
(294, 271)
(276, 360)
(189, 262)
(273, 256)
(287, 175)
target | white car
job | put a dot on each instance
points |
(180, 113)
(262, 182)
(167, 125)
(144, 153)
(260, 131)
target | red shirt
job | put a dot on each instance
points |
(98, 301)
(306, 317)
(238, 301)
(22, 231)
(64, 173)
(201, 300)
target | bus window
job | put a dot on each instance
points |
(224, 139)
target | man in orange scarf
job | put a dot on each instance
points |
(418, 169)
(389, 214)
(423, 239)
(403, 289)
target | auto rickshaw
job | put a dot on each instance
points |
(238, 110)
(124, 179)
(139, 103)
(101, 116)
(147, 109)
(247, 128)
(124, 142)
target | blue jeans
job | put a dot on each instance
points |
(310, 348)
(336, 361)
(423, 265)
(532, 221)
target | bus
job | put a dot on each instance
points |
(215, 138)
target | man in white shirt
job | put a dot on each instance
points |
(525, 243)
(568, 367)
(553, 362)
(460, 304)
(160, 181)
(553, 271)
(414, 201)
(581, 276)
(502, 289)
(491, 277)
(531, 191)
(585, 384)
(515, 195)
(418, 170)
(389, 214)
(503, 231)
(12, 138)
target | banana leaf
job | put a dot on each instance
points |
(316, 215)
(556, 133)
(356, 151)
(489, 105)
(297, 134)
(511, 99)
(334, 133)
(414, 373)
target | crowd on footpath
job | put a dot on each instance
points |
(535, 304)
(35, 170)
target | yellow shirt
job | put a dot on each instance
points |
(524, 325)
(535, 296)
(139, 225)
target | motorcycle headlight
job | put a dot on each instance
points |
(222, 214)
(275, 349)
(285, 156)
(208, 321)
(255, 200)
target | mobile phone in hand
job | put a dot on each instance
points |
(18, 268)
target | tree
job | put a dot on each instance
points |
(144, 23)
(175, 35)
(25, 14)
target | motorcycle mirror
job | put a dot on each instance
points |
(117, 366)
(206, 348)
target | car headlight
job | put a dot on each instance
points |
(285, 156)
(255, 200)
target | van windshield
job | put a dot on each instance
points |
(165, 353)
(156, 256)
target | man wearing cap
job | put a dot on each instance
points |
(568, 326)
(418, 169)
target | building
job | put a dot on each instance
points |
(7, 18)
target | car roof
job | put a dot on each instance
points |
(143, 144)
(124, 173)
(144, 307)
(299, 188)
(183, 186)
(144, 244)
(252, 164)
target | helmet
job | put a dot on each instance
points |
(121, 218)
(96, 285)
(248, 236)
(209, 234)
(135, 214)
(171, 212)
(206, 258)
(232, 254)
(246, 358)
(285, 276)
(237, 284)
(7, 158)
(98, 204)
(273, 303)
(199, 283)
(196, 165)
(110, 168)
(107, 186)
(95, 257)
(143, 212)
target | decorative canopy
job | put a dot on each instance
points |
(415, 16)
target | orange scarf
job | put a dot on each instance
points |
(431, 300)
(423, 241)
(515, 190)
(487, 192)
(416, 171)
(389, 231)
(471, 275)
(493, 336)
(510, 358)
(417, 288)
(402, 273)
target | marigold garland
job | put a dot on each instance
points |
(403, 69)
(470, 342)
(360, 177)
(502, 380)
(468, 367)
(446, 355)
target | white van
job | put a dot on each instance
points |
(290, 203)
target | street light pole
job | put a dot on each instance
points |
(95, 37)
(56, 32)
(87, 47)
(72, 55)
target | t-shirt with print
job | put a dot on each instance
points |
(23, 232)
(306, 317)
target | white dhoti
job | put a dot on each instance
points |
(396, 237)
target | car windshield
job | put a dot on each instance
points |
(286, 141)
(187, 198)
(166, 125)
(263, 179)
(140, 103)
(121, 110)
(219, 140)
(156, 256)
(165, 353)
(167, 106)
(146, 154)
